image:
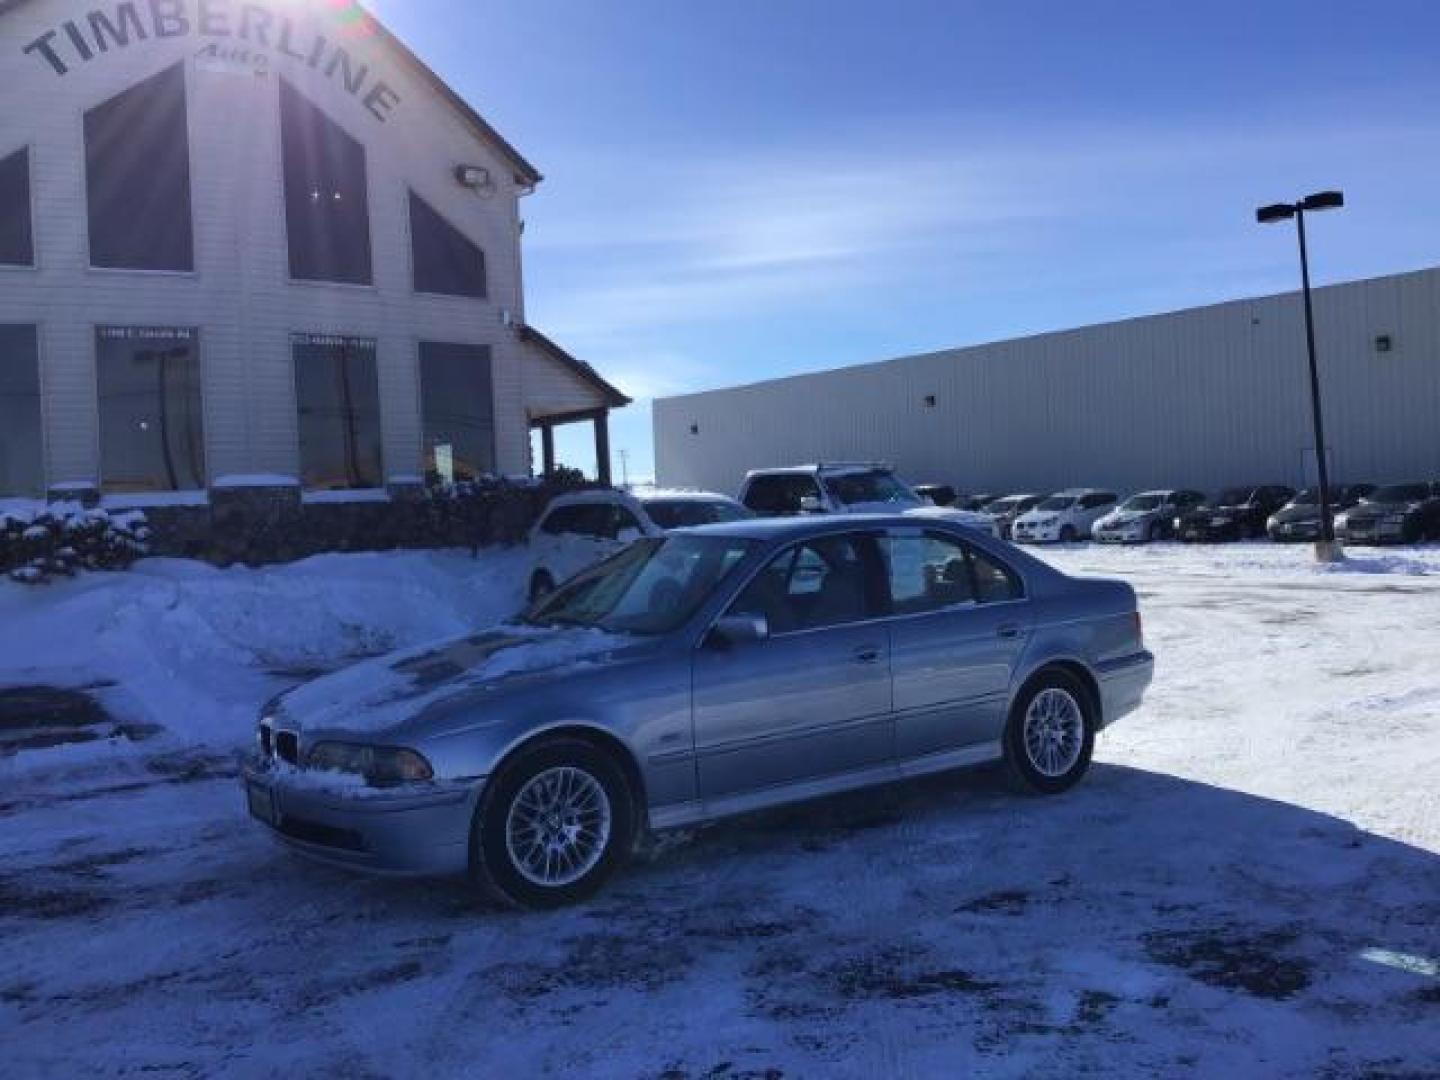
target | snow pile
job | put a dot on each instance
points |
(197, 649)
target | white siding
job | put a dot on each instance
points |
(1204, 398)
(240, 295)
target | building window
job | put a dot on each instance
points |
(152, 430)
(338, 393)
(445, 260)
(137, 177)
(21, 453)
(327, 217)
(457, 412)
(17, 246)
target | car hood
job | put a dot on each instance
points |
(1119, 519)
(377, 695)
(1367, 507)
(1303, 512)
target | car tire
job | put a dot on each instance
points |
(1050, 735)
(1068, 535)
(1152, 532)
(587, 791)
(541, 586)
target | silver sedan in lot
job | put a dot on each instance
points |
(709, 672)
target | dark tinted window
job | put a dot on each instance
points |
(927, 573)
(17, 246)
(994, 582)
(1099, 498)
(812, 585)
(457, 411)
(781, 494)
(152, 432)
(624, 524)
(683, 513)
(21, 446)
(445, 261)
(137, 177)
(581, 519)
(338, 396)
(1400, 493)
(327, 218)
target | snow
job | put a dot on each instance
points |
(1247, 883)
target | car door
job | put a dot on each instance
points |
(812, 700)
(959, 624)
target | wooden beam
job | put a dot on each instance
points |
(547, 449)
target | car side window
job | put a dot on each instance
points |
(624, 524)
(927, 573)
(779, 495)
(1099, 498)
(822, 582)
(560, 520)
(994, 582)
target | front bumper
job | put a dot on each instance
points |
(1129, 534)
(1122, 685)
(1035, 534)
(1372, 531)
(1205, 532)
(413, 830)
(1294, 531)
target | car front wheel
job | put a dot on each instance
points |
(1051, 734)
(553, 825)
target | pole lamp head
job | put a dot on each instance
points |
(1268, 215)
(1323, 200)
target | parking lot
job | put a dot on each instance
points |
(1248, 883)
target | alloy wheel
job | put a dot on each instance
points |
(1054, 732)
(558, 826)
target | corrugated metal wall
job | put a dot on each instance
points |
(1202, 398)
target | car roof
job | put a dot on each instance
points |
(798, 528)
(832, 467)
(596, 495)
(679, 495)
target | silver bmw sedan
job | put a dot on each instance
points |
(710, 672)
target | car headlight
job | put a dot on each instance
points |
(377, 764)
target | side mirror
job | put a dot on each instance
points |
(740, 629)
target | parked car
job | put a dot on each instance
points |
(1299, 519)
(1394, 513)
(1237, 513)
(842, 489)
(1064, 517)
(578, 530)
(706, 673)
(1145, 516)
(1002, 512)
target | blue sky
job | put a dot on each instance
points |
(741, 190)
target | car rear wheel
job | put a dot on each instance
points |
(553, 825)
(1051, 734)
(541, 586)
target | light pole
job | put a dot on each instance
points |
(1326, 549)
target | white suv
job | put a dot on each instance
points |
(1064, 517)
(843, 489)
(576, 531)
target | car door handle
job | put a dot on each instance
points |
(1008, 631)
(867, 654)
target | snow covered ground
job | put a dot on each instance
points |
(1247, 884)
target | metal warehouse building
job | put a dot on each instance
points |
(257, 243)
(1200, 398)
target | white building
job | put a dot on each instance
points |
(1203, 398)
(249, 240)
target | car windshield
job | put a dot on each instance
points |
(876, 486)
(1057, 502)
(683, 513)
(1311, 496)
(1232, 497)
(1399, 493)
(651, 587)
(1137, 503)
